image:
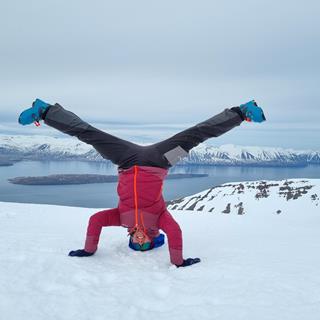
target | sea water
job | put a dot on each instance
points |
(104, 195)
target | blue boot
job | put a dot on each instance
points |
(252, 112)
(33, 114)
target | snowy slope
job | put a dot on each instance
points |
(242, 197)
(42, 147)
(258, 265)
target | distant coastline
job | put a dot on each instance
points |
(8, 160)
(70, 179)
(6, 164)
(44, 148)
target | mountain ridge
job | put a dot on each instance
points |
(50, 148)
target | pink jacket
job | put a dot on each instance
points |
(140, 198)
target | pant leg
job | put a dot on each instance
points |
(174, 234)
(110, 147)
(180, 144)
(105, 218)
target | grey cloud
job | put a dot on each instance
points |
(161, 61)
(202, 36)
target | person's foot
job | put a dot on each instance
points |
(80, 253)
(252, 112)
(33, 114)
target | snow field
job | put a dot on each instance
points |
(257, 266)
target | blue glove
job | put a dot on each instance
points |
(252, 112)
(80, 253)
(188, 262)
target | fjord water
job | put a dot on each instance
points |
(103, 195)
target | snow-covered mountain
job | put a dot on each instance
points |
(239, 198)
(46, 147)
(240, 155)
(42, 147)
(260, 265)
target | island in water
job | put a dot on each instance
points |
(68, 179)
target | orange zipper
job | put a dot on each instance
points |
(136, 200)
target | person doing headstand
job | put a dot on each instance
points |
(142, 169)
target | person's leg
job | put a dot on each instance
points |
(110, 147)
(105, 218)
(181, 143)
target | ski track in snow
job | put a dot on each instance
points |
(256, 266)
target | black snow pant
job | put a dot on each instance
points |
(125, 154)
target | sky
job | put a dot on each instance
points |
(146, 69)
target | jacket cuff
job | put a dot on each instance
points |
(176, 256)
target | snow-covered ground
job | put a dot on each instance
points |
(260, 265)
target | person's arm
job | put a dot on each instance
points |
(174, 234)
(105, 218)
